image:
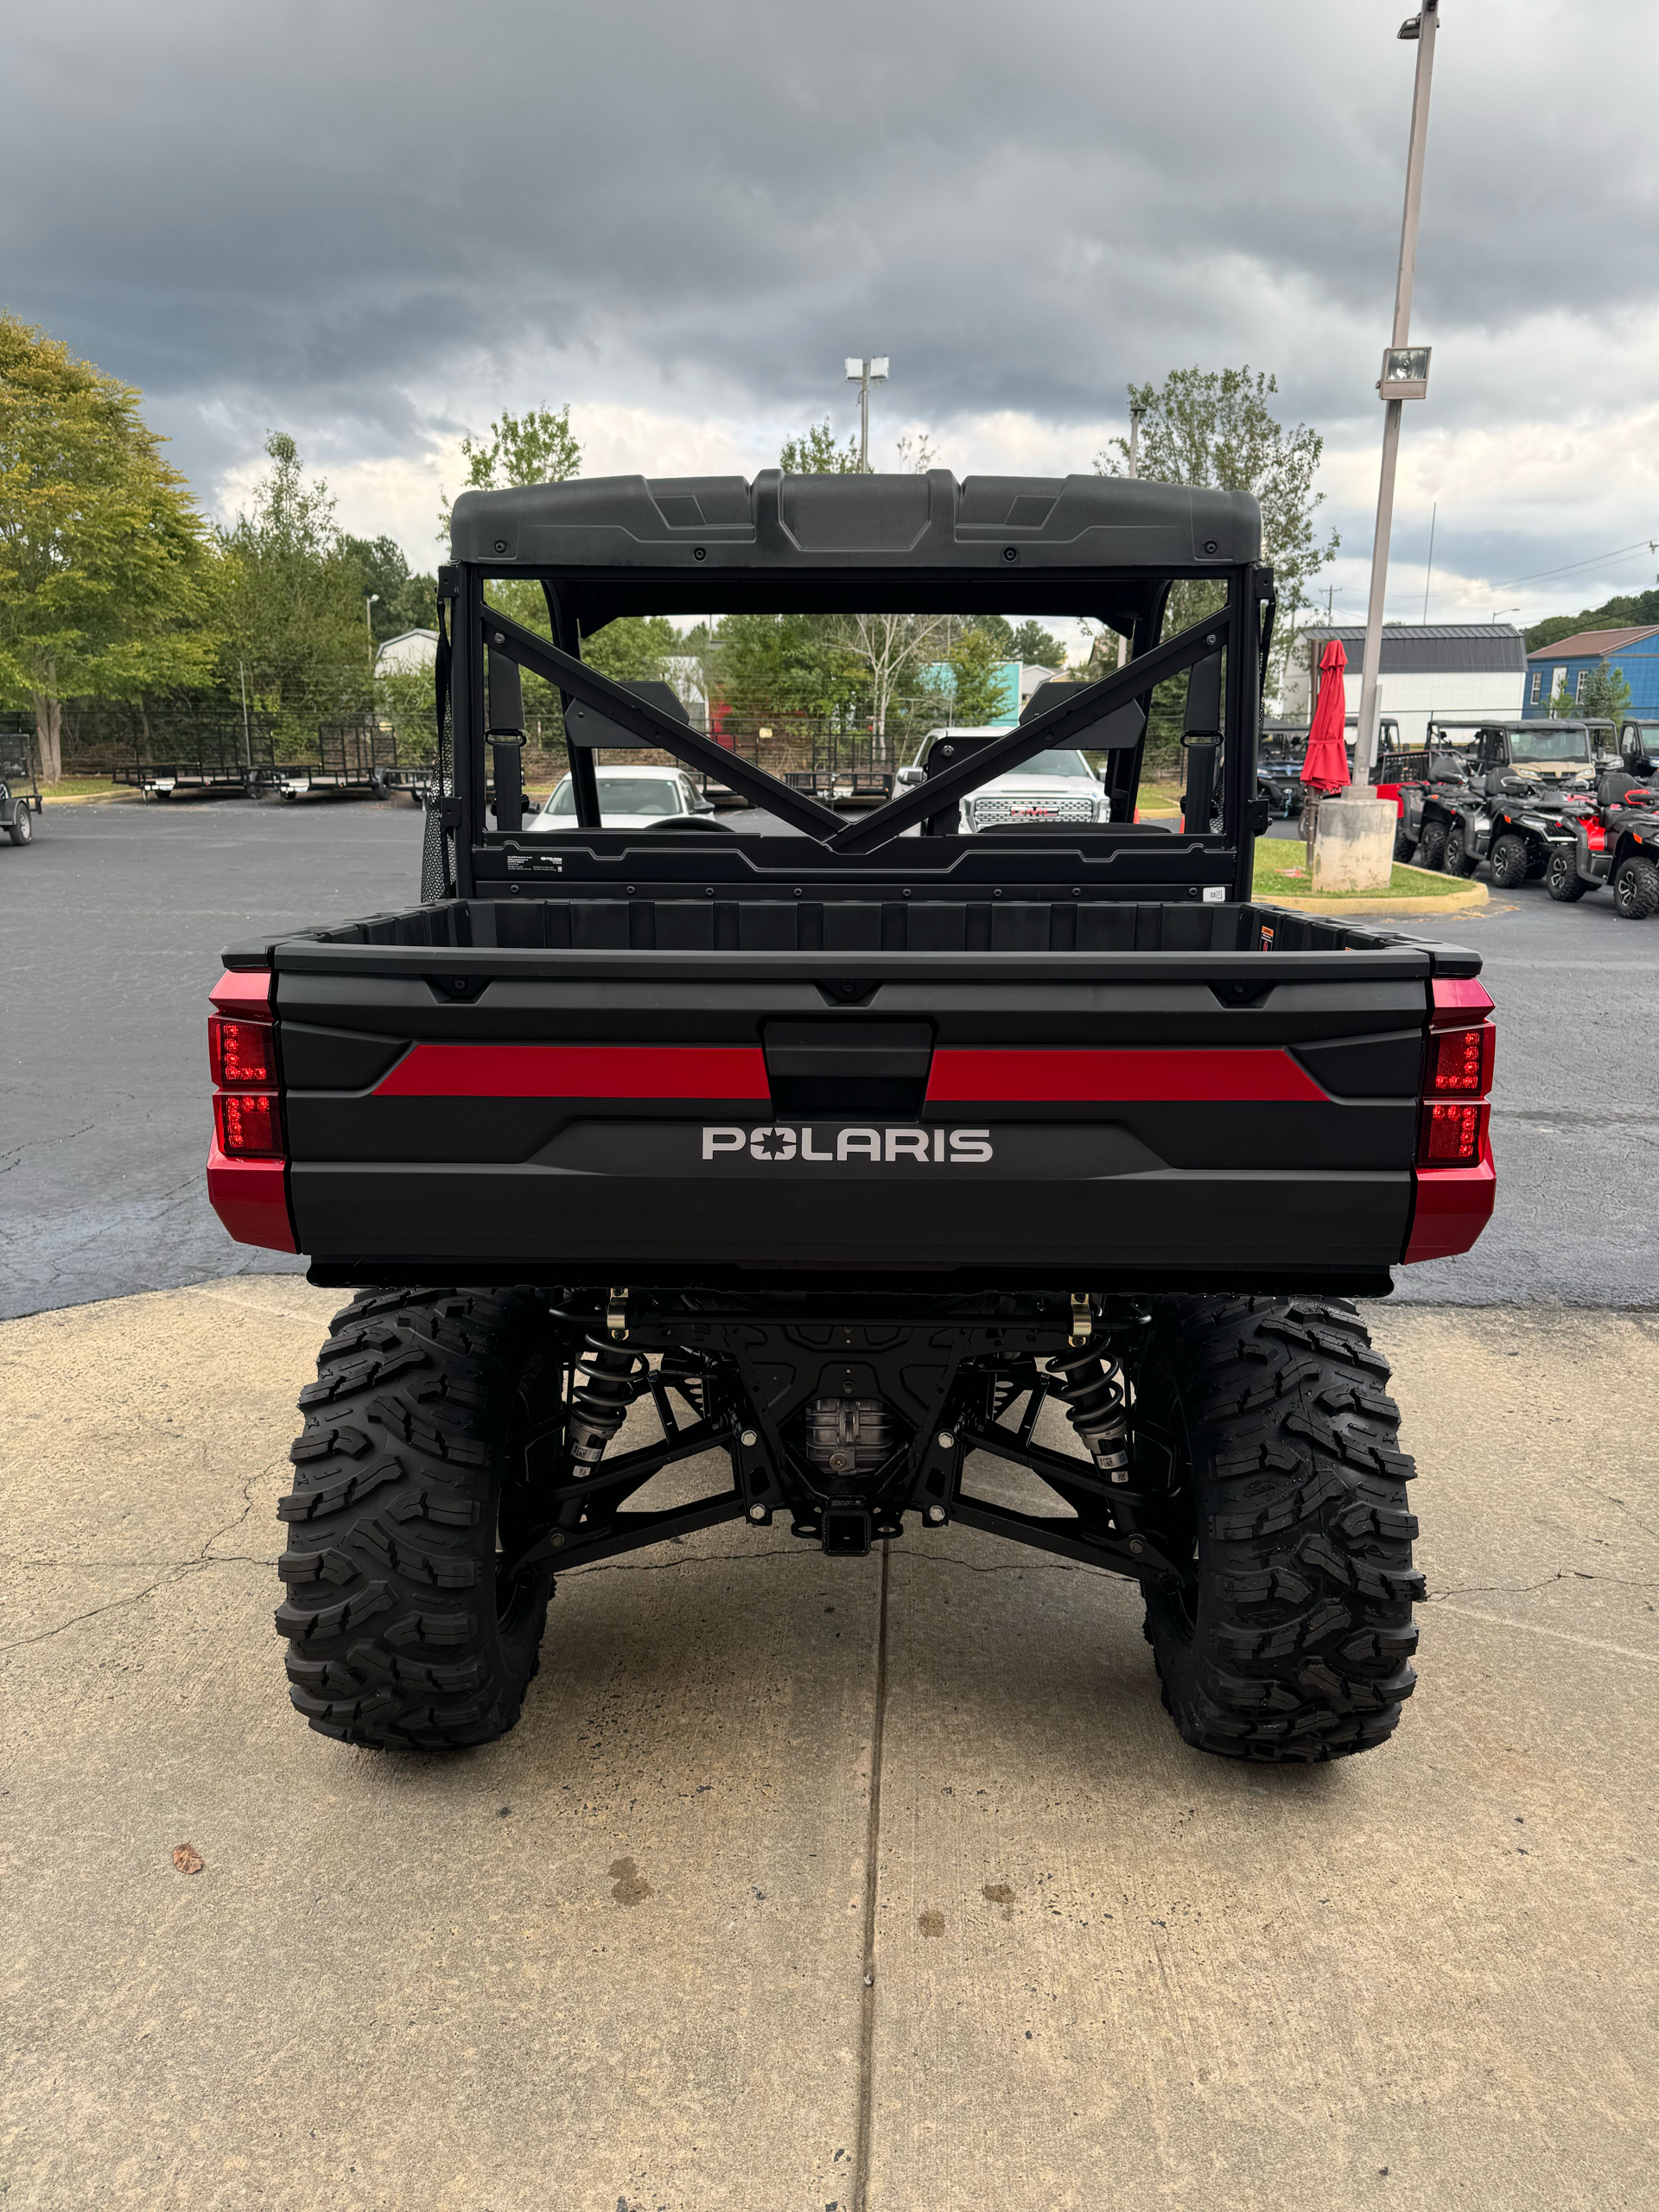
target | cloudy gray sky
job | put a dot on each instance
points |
(375, 225)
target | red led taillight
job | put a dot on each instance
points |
(241, 1053)
(1460, 1062)
(1457, 1075)
(247, 1164)
(1455, 1182)
(1452, 1135)
(250, 1124)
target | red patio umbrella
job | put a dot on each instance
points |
(1326, 768)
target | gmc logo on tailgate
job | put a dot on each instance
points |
(882, 1147)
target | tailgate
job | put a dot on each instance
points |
(624, 1116)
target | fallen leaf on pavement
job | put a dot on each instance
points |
(187, 1858)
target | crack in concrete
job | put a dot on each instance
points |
(1524, 1589)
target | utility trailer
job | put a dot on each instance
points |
(830, 1156)
(211, 762)
(354, 760)
(19, 792)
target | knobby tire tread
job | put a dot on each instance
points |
(1295, 1641)
(390, 1612)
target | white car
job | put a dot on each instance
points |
(629, 799)
(1053, 787)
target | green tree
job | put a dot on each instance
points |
(290, 604)
(767, 668)
(536, 448)
(1215, 427)
(633, 648)
(1605, 697)
(401, 600)
(980, 685)
(1606, 694)
(815, 453)
(1629, 611)
(103, 572)
(860, 663)
(1037, 647)
(997, 628)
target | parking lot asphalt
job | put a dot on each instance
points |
(618, 1959)
(115, 916)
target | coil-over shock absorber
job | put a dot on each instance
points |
(1090, 1384)
(605, 1388)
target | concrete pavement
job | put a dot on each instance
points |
(618, 1959)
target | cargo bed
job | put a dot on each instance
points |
(542, 1090)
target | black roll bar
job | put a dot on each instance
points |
(1068, 722)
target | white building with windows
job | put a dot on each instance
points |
(1456, 669)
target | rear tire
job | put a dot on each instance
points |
(1455, 859)
(20, 830)
(1403, 844)
(1562, 879)
(398, 1635)
(1292, 1640)
(1636, 888)
(1509, 862)
(1431, 846)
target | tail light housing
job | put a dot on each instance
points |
(1455, 1181)
(249, 1124)
(247, 1165)
(241, 1053)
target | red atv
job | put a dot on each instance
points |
(1617, 843)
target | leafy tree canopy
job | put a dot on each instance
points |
(815, 453)
(975, 662)
(1215, 427)
(997, 628)
(401, 600)
(103, 578)
(1605, 697)
(290, 605)
(1627, 612)
(1039, 647)
(538, 447)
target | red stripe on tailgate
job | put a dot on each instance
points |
(578, 1071)
(1116, 1074)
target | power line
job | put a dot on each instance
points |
(1652, 545)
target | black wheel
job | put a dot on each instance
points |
(1431, 846)
(1291, 1637)
(1455, 860)
(1509, 862)
(1403, 844)
(1636, 888)
(401, 1632)
(20, 830)
(1562, 878)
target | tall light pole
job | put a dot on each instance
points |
(864, 375)
(1135, 413)
(370, 599)
(1405, 376)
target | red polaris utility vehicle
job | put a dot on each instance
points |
(825, 1151)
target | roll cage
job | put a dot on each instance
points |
(1105, 548)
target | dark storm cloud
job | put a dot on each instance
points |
(298, 213)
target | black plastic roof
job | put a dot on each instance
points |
(698, 528)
